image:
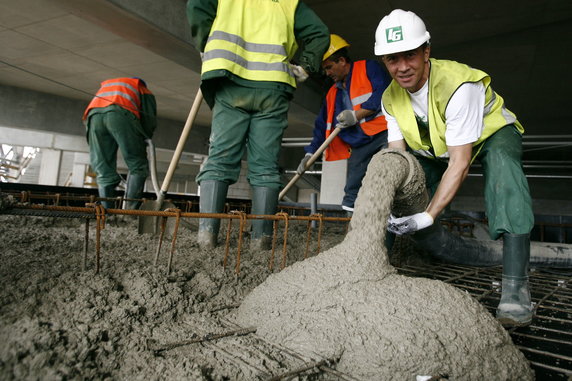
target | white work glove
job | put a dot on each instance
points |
(409, 224)
(346, 118)
(302, 166)
(299, 73)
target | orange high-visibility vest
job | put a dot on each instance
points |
(360, 91)
(124, 92)
(338, 149)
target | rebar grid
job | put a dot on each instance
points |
(547, 342)
(243, 347)
(99, 213)
(184, 203)
(65, 199)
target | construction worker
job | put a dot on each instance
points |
(121, 115)
(248, 81)
(448, 114)
(355, 101)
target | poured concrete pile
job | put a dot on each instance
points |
(348, 303)
(60, 323)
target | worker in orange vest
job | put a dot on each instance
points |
(122, 115)
(353, 103)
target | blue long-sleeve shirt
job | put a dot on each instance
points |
(353, 135)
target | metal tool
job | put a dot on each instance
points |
(149, 224)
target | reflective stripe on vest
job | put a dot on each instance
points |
(338, 149)
(360, 91)
(122, 92)
(261, 51)
(444, 79)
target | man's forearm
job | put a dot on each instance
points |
(398, 144)
(456, 173)
(446, 191)
(363, 113)
(200, 16)
(310, 29)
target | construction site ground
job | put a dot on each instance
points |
(134, 311)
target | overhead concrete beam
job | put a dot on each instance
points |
(35, 111)
(161, 27)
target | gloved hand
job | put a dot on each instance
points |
(302, 166)
(346, 118)
(409, 224)
(299, 73)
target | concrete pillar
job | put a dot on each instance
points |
(333, 182)
(50, 166)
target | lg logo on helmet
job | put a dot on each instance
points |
(394, 34)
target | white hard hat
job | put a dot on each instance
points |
(400, 31)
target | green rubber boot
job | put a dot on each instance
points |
(264, 201)
(515, 307)
(213, 195)
(134, 190)
(107, 191)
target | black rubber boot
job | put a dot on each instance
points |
(515, 307)
(212, 198)
(107, 191)
(264, 201)
(134, 190)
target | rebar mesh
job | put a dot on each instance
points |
(547, 342)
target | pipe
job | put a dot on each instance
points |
(411, 198)
(313, 207)
(452, 248)
(153, 166)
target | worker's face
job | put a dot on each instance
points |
(409, 69)
(336, 70)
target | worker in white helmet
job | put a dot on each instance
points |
(353, 103)
(448, 114)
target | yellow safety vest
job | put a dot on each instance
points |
(445, 78)
(253, 39)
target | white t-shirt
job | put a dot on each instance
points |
(463, 115)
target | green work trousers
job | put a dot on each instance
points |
(249, 118)
(507, 196)
(106, 133)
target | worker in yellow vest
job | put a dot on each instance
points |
(248, 80)
(353, 103)
(121, 115)
(448, 114)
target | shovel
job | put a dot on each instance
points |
(150, 224)
(310, 161)
(146, 222)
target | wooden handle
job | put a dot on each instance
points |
(310, 161)
(182, 140)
